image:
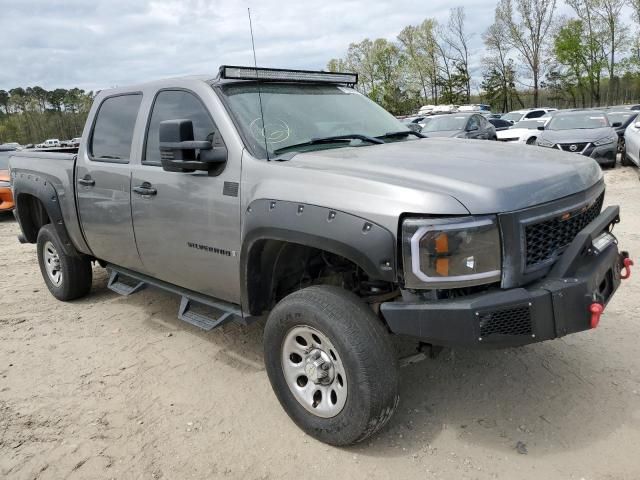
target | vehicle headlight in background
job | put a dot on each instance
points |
(545, 143)
(451, 253)
(605, 141)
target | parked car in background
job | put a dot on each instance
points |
(75, 142)
(460, 125)
(6, 197)
(50, 143)
(585, 132)
(426, 109)
(476, 107)
(14, 145)
(499, 124)
(525, 131)
(527, 114)
(624, 118)
(631, 154)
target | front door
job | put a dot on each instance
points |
(187, 225)
(103, 182)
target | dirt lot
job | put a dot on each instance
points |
(113, 387)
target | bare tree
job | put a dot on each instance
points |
(457, 40)
(527, 27)
(610, 11)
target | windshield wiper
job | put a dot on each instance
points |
(331, 139)
(403, 133)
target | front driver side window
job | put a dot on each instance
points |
(174, 105)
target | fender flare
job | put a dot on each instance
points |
(365, 243)
(41, 187)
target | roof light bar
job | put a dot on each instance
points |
(277, 74)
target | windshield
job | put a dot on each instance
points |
(578, 121)
(529, 124)
(512, 117)
(446, 122)
(295, 114)
(4, 159)
(621, 117)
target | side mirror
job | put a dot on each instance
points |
(616, 125)
(179, 152)
(541, 127)
(414, 127)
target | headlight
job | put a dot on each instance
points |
(451, 253)
(545, 143)
(605, 141)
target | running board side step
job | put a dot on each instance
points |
(117, 285)
(199, 319)
(199, 310)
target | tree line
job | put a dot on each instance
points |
(31, 115)
(532, 55)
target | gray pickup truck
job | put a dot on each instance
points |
(288, 195)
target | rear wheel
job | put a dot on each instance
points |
(67, 276)
(331, 364)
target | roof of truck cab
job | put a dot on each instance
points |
(164, 82)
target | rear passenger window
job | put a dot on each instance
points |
(536, 114)
(113, 128)
(174, 105)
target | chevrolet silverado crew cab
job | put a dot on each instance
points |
(289, 195)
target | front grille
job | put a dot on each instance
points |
(545, 240)
(512, 321)
(573, 147)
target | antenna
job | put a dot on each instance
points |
(255, 64)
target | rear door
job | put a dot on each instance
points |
(103, 182)
(187, 225)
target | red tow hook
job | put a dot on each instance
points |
(627, 263)
(596, 310)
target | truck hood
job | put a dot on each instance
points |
(577, 135)
(486, 177)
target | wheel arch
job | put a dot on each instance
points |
(37, 205)
(276, 230)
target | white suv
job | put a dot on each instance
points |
(528, 114)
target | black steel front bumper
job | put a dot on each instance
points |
(550, 308)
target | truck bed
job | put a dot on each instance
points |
(56, 169)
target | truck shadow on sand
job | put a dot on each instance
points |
(537, 400)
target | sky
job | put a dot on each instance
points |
(96, 44)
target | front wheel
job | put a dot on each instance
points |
(67, 276)
(331, 364)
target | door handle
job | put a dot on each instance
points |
(87, 181)
(145, 189)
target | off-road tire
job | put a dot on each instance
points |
(625, 161)
(364, 348)
(532, 141)
(75, 270)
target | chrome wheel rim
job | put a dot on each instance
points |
(314, 371)
(52, 263)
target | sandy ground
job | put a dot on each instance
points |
(114, 387)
